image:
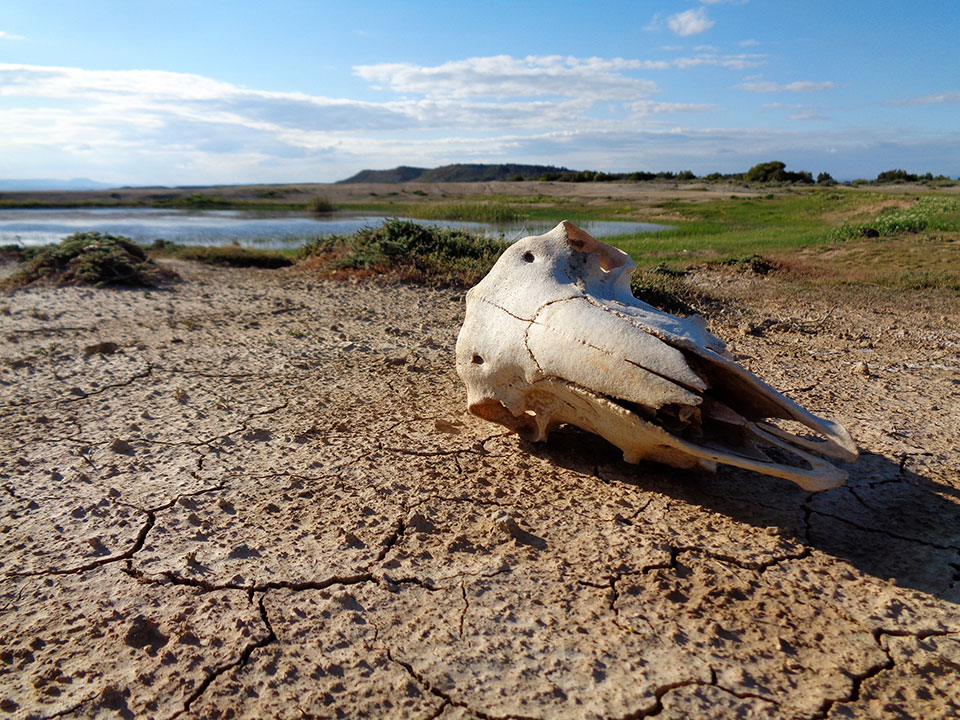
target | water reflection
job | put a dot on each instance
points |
(223, 227)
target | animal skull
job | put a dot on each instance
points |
(554, 335)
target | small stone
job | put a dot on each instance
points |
(97, 546)
(860, 368)
(353, 541)
(419, 522)
(8, 705)
(121, 446)
(506, 523)
(103, 348)
(445, 426)
(145, 633)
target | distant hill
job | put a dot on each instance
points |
(397, 175)
(455, 173)
(53, 184)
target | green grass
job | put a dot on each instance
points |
(223, 255)
(491, 212)
(928, 213)
(739, 226)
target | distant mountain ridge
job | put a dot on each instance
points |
(53, 184)
(460, 172)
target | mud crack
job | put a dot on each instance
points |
(135, 547)
(445, 696)
(212, 675)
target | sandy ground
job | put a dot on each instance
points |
(268, 501)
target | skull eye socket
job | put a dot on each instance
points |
(528, 256)
(477, 360)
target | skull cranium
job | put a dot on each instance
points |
(554, 335)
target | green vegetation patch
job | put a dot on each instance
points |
(410, 251)
(225, 255)
(491, 212)
(90, 258)
(667, 288)
(928, 213)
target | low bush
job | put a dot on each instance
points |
(667, 289)
(410, 251)
(320, 206)
(90, 258)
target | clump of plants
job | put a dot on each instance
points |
(756, 264)
(320, 205)
(90, 258)
(667, 288)
(408, 250)
(776, 171)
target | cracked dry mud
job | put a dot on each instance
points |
(270, 502)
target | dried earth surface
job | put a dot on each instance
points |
(258, 494)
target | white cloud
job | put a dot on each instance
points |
(749, 43)
(951, 96)
(740, 61)
(799, 112)
(690, 22)
(768, 86)
(649, 107)
(503, 76)
(10, 36)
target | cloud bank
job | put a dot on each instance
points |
(158, 127)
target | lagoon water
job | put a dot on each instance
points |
(250, 229)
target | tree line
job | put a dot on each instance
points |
(773, 171)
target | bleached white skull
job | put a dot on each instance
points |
(554, 335)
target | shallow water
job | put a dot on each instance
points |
(224, 227)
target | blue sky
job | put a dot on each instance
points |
(190, 92)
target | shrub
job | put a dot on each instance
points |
(92, 258)
(775, 171)
(320, 206)
(411, 251)
(825, 178)
(896, 176)
(666, 288)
